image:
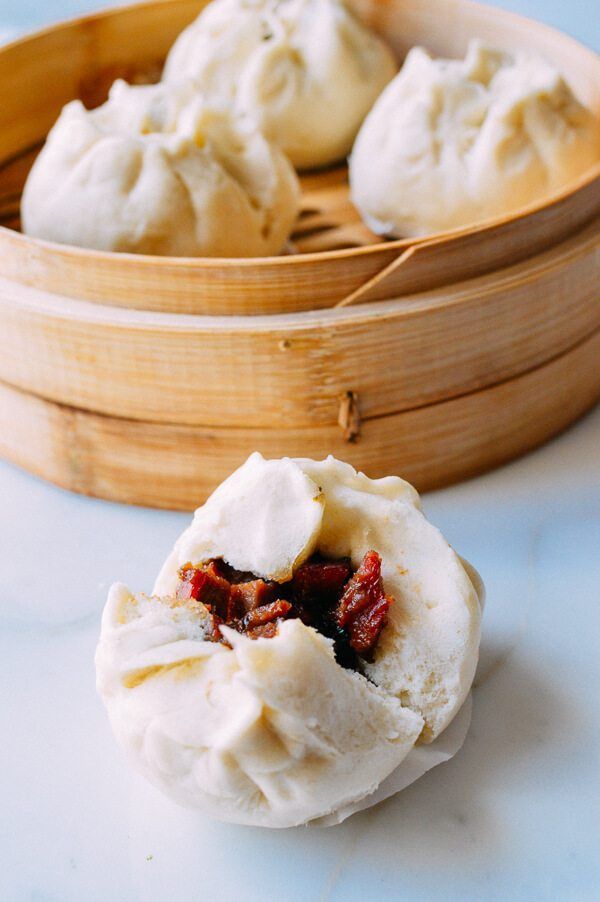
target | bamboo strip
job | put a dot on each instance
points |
(177, 466)
(284, 371)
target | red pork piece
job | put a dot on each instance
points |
(350, 609)
(264, 630)
(320, 579)
(230, 601)
(250, 607)
(205, 584)
(362, 609)
(248, 596)
(262, 622)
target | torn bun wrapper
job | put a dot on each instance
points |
(282, 723)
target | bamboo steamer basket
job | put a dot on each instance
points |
(173, 466)
(338, 259)
(129, 405)
(147, 380)
(291, 370)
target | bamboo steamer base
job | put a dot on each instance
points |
(170, 466)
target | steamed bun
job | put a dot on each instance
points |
(460, 141)
(155, 170)
(273, 731)
(307, 71)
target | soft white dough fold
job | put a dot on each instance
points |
(274, 732)
(157, 170)
(428, 652)
(450, 143)
(264, 519)
(307, 71)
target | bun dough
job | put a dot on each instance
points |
(428, 651)
(275, 732)
(264, 519)
(272, 733)
(460, 141)
(307, 71)
(162, 173)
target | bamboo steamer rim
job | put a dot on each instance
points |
(297, 369)
(286, 260)
(584, 242)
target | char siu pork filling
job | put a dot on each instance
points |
(346, 605)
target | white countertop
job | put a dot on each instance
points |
(513, 817)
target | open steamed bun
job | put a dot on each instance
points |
(273, 731)
(459, 141)
(156, 170)
(307, 71)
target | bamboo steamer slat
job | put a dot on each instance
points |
(338, 259)
(284, 371)
(177, 466)
(148, 379)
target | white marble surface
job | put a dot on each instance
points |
(513, 817)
